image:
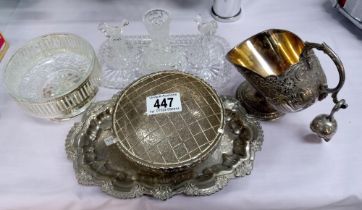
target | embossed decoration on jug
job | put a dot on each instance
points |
(294, 90)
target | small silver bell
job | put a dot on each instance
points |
(324, 126)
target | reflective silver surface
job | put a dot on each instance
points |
(97, 164)
(352, 9)
(226, 10)
(285, 73)
(166, 142)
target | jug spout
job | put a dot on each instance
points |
(269, 53)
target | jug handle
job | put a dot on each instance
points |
(320, 121)
(336, 60)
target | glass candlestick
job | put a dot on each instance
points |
(117, 57)
(206, 56)
(159, 55)
(157, 23)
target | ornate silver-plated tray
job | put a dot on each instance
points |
(97, 160)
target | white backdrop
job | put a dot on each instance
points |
(293, 171)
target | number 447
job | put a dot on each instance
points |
(163, 103)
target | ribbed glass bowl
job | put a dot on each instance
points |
(54, 76)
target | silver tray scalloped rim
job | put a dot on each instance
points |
(97, 161)
(178, 43)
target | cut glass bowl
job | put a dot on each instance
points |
(54, 76)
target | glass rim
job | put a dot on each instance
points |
(85, 77)
(164, 12)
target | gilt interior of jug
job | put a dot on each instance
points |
(268, 53)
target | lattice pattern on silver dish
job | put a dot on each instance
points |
(95, 163)
(172, 141)
(215, 71)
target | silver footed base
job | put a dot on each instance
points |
(255, 104)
